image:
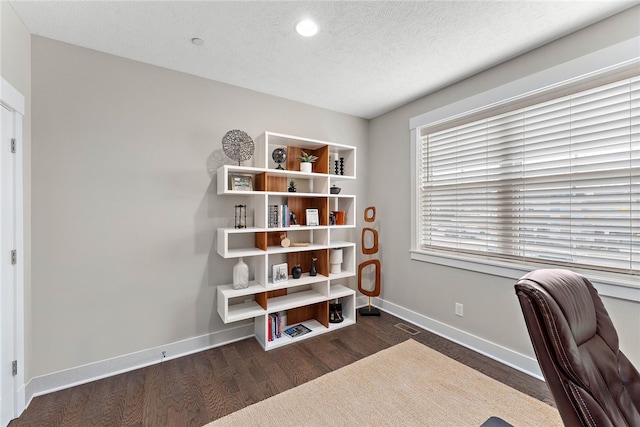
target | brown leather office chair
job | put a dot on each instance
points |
(591, 380)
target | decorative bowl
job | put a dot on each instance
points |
(335, 190)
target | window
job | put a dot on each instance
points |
(556, 181)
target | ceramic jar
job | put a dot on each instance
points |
(296, 272)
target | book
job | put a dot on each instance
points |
(279, 216)
(297, 330)
(285, 216)
(273, 216)
(275, 327)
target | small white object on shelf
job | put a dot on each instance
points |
(306, 167)
(240, 275)
(312, 217)
(335, 261)
(280, 273)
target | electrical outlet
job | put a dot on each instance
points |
(459, 309)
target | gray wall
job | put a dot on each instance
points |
(491, 310)
(15, 45)
(124, 210)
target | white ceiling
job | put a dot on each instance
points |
(368, 57)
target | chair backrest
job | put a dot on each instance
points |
(591, 380)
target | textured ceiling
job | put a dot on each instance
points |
(368, 57)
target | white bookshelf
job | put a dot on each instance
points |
(305, 300)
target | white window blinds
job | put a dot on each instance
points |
(557, 181)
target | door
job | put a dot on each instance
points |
(12, 390)
(7, 277)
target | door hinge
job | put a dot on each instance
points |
(14, 368)
(14, 257)
(13, 145)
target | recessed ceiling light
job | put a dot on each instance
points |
(197, 41)
(306, 28)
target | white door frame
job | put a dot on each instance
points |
(12, 329)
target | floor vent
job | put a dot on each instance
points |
(408, 329)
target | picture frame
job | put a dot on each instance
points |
(280, 273)
(312, 217)
(241, 182)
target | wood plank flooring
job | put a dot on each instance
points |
(196, 389)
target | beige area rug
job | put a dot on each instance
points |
(408, 384)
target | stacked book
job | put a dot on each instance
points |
(278, 216)
(275, 326)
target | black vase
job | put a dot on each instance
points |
(296, 272)
(313, 271)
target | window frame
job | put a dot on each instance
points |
(536, 88)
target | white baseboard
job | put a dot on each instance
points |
(94, 371)
(128, 362)
(518, 361)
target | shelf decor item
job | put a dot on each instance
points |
(241, 216)
(237, 145)
(297, 330)
(284, 240)
(313, 271)
(296, 271)
(240, 275)
(335, 312)
(306, 161)
(312, 217)
(280, 273)
(292, 186)
(334, 189)
(335, 261)
(340, 217)
(241, 182)
(279, 156)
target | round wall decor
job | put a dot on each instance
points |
(237, 145)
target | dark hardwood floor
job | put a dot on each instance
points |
(194, 390)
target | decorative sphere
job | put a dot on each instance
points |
(279, 155)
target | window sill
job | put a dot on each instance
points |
(608, 284)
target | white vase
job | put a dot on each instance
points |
(335, 261)
(240, 275)
(305, 167)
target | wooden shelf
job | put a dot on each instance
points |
(319, 166)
